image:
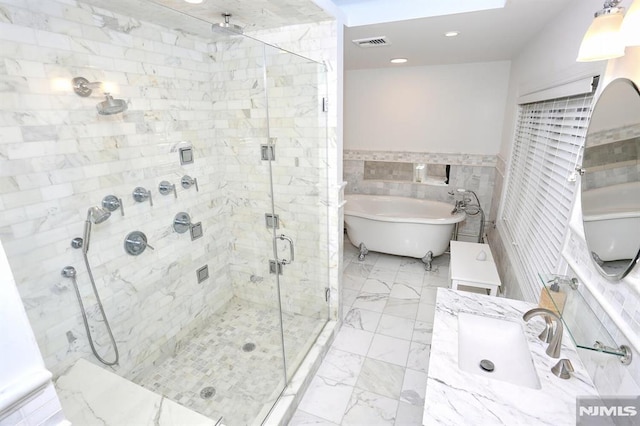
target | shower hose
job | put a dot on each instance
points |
(104, 316)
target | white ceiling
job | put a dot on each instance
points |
(487, 35)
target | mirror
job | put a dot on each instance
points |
(611, 180)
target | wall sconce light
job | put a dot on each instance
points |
(610, 32)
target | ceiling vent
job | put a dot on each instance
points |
(372, 42)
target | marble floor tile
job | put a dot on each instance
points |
(381, 378)
(393, 326)
(435, 281)
(352, 340)
(422, 332)
(353, 282)
(362, 319)
(401, 308)
(358, 269)
(378, 285)
(301, 418)
(426, 312)
(382, 350)
(419, 357)
(409, 415)
(391, 263)
(341, 367)
(367, 408)
(348, 297)
(389, 349)
(326, 399)
(412, 265)
(410, 277)
(413, 387)
(405, 291)
(372, 301)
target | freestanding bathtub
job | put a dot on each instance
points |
(400, 225)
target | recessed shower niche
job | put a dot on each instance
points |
(427, 173)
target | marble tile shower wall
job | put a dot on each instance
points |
(58, 157)
(473, 172)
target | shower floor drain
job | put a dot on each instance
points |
(207, 392)
(248, 347)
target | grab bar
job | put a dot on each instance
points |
(284, 237)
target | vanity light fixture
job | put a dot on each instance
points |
(610, 32)
(452, 33)
(398, 60)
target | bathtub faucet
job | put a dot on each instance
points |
(458, 207)
(470, 207)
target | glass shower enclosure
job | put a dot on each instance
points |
(217, 318)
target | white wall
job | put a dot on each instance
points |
(444, 109)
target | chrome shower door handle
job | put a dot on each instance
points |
(291, 250)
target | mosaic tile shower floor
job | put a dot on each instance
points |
(243, 381)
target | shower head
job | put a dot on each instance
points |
(111, 106)
(95, 215)
(226, 27)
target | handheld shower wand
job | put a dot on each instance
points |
(94, 215)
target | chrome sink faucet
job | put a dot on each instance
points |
(553, 350)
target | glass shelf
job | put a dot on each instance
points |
(582, 324)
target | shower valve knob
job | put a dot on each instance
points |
(188, 181)
(141, 194)
(77, 242)
(165, 188)
(113, 203)
(182, 223)
(135, 243)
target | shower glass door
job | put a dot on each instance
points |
(297, 126)
(271, 128)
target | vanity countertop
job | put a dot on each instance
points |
(456, 397)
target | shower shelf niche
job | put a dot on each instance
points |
(397, 171)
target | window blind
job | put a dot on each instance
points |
(539, 194)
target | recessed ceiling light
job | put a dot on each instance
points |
(194, 1)
(398, 60)
(451, 33)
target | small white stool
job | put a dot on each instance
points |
(472, 265)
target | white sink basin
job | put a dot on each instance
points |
(501, 342)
